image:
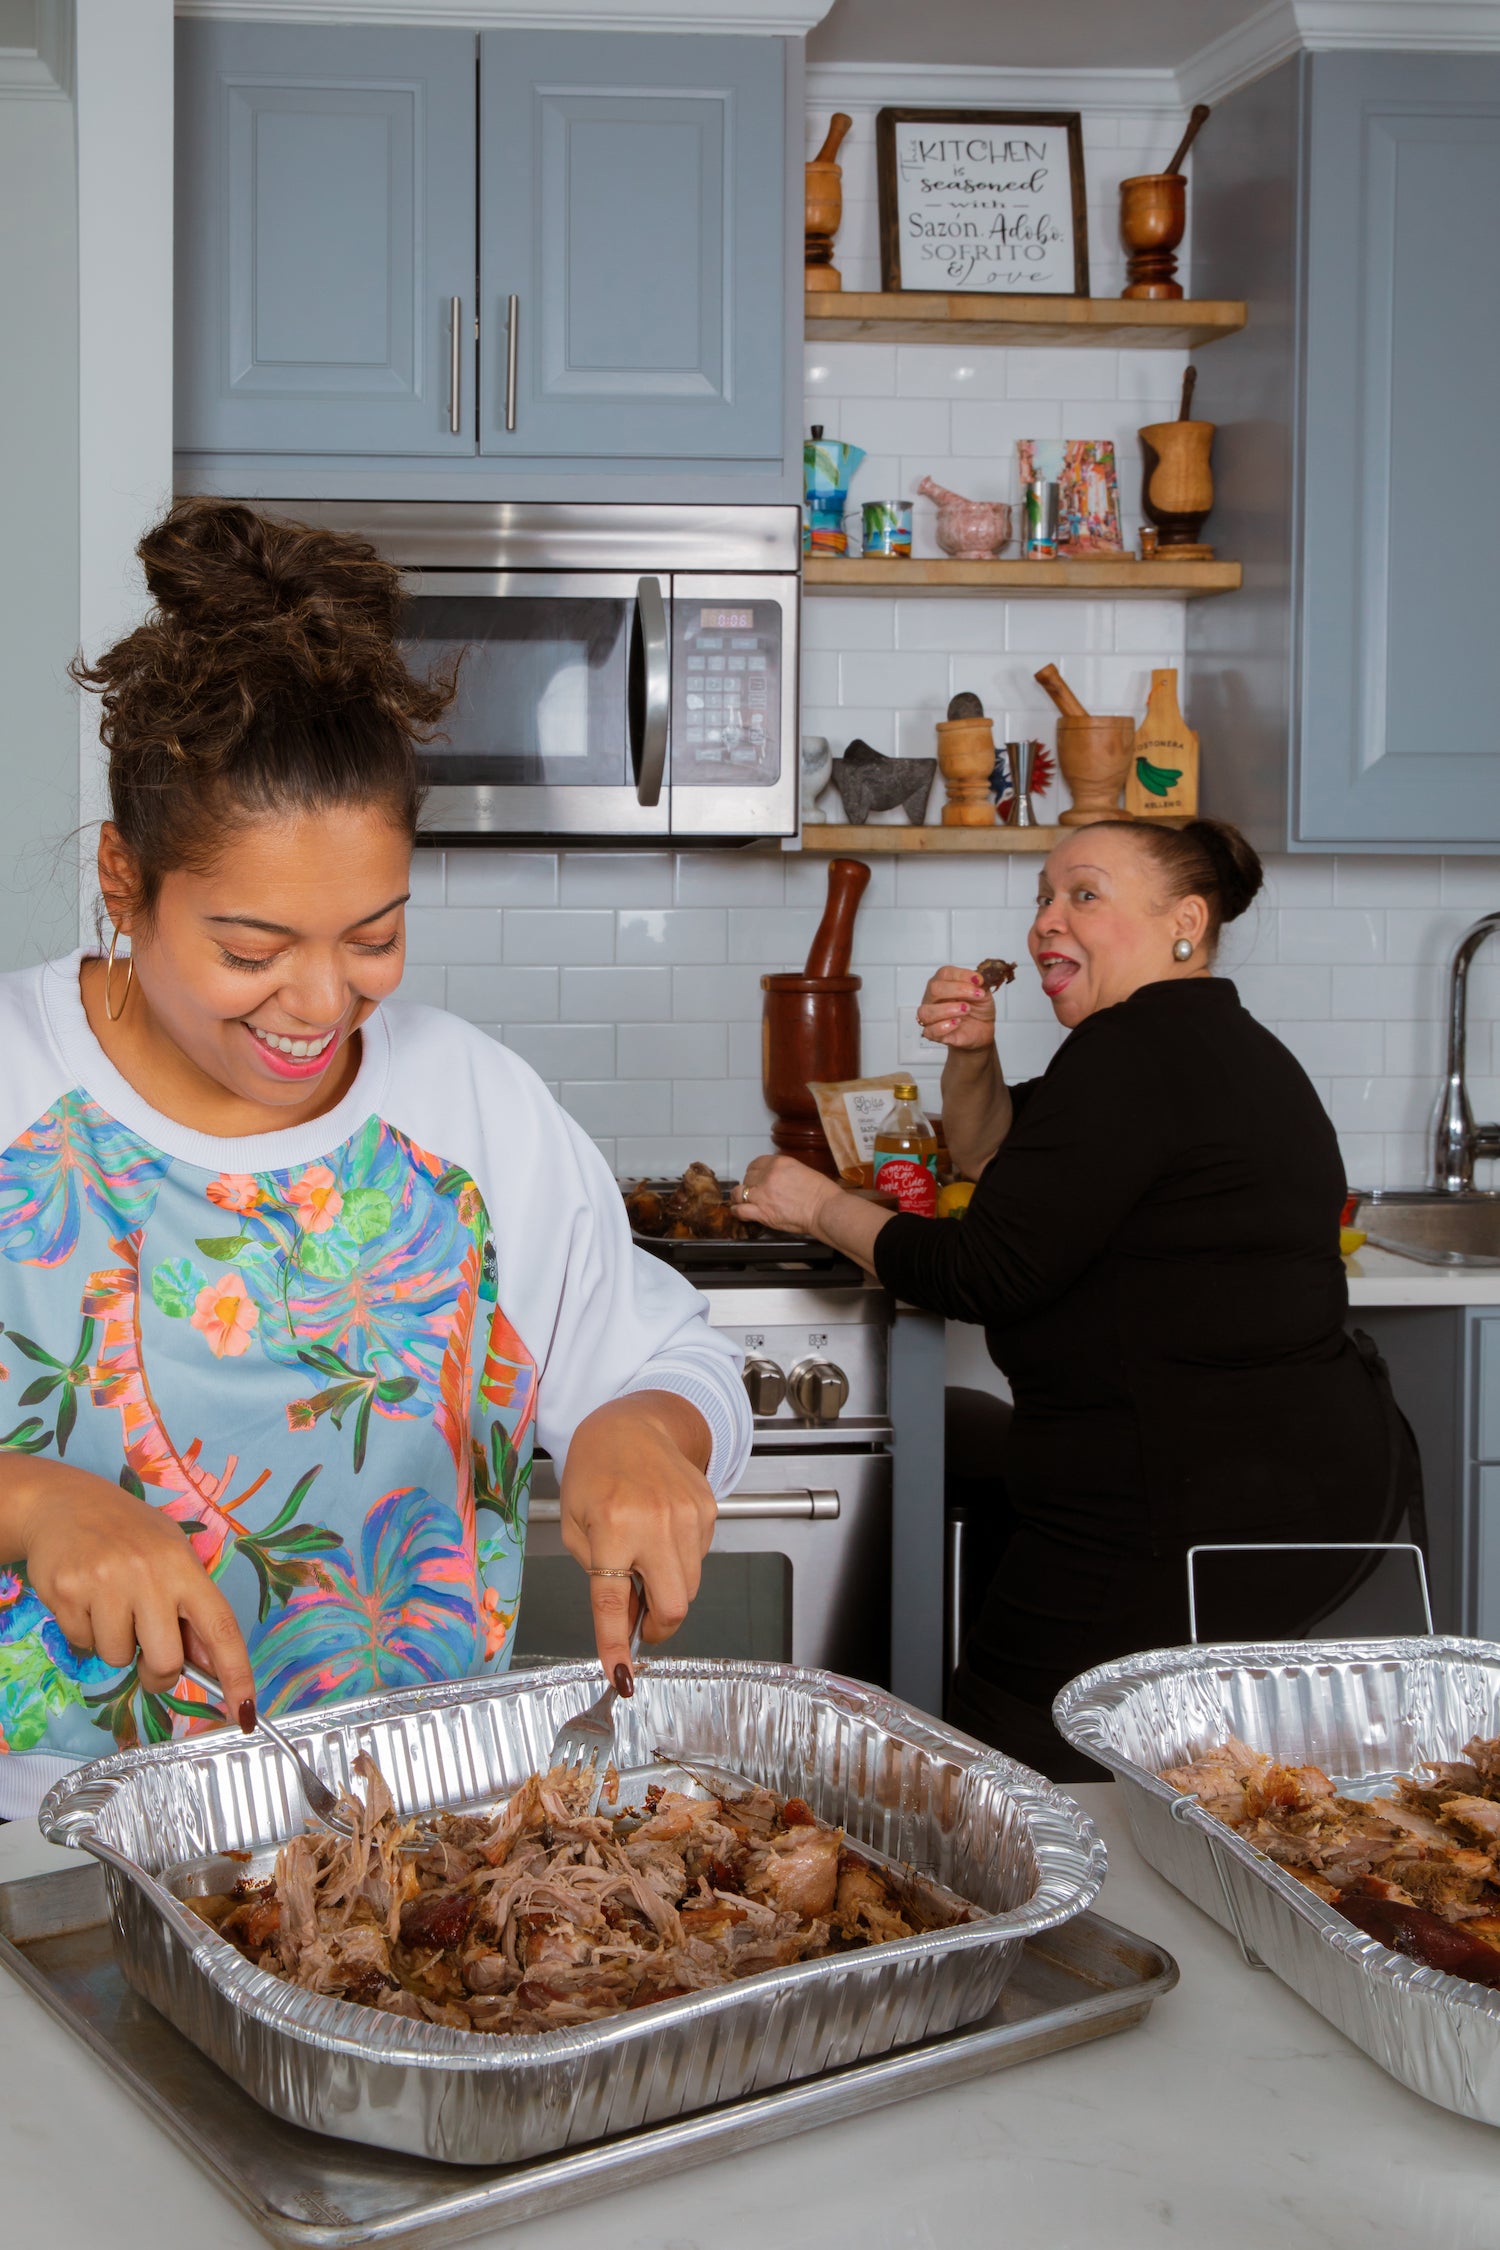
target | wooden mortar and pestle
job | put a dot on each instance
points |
(1178, 487)
(810, 1023)
(1153, 219)
(1092, 754)
(824, 209)
(966, 760)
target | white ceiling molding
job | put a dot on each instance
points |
(951, 86)
(792, 18)
(1283, 27)
(42, 71)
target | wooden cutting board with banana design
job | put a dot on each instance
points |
(1162, 780)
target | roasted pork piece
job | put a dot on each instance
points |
(993, 973)
(1419, 1870)
(537, 1916)
(698, 1209)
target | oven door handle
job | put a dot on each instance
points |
(650, 691)
(808, 1506)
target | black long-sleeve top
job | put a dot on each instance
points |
(1153, 1253)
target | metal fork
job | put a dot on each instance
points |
(587, 1743)
(321, 1801)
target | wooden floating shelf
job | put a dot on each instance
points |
(841, 837)
(918, 316)
(1102, 577)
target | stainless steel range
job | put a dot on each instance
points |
(800, 1569)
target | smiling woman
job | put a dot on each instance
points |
(292, 1277)
(1152, 1248)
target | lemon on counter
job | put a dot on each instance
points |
(953, 1200)
(1350, 1240)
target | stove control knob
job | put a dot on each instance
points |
(819, 1389)
(766, 1385)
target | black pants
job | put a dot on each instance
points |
(1061, 1602)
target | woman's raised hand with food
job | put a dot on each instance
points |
(121, 1579)
(957, 1010)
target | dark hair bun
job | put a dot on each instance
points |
(275, 598)
(1235, 862)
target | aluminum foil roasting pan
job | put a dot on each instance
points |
(898, 1782)
(1363, 1711)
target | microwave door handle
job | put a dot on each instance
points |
(648, 648)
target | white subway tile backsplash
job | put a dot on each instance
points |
(1324, 933)
(677, 1050)
(485, 878)
(1335, 1050)
(1385, 881)
(518, 995)
(427, 871)
(847, 621)
(1295, 994)
(840, 371)
(616, 879)
(773, 937)
(616, 995)
(558, 935)
(657, 1156)
(650, 934)
(968, 880)
(427, 984)
(564, 1050)
(807, 881)
(953, 371)
(717, 1105)
(904, 680)
(1381, 1105)
(619, 1105)
(895, 426)
(898, 935)
(749, 878)
(1048, 631)
(436, 935)
(1381, 993)
(715, 995)
(1473, 884)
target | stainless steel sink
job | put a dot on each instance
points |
(1432, 1226)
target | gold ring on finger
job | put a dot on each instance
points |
(596, 1572)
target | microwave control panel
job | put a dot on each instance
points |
(726, 693)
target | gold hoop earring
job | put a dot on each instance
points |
(114, 1014)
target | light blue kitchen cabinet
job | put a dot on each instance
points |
(1346, 697)
(631, 223)
(325, 240)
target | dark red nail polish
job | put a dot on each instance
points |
(624, 1680)
(247, 1715)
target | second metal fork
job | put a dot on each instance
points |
(587, 1743)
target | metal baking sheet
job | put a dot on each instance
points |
(896, 1782)
(1363, 1711)
(1082, 1981)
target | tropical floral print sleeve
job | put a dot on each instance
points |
(307, 1368)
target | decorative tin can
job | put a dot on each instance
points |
(1041, 520)
(887, 527)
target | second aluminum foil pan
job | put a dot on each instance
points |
(1363, 1711)
(907, 1787)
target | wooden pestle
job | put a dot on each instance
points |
(1051, 681)
(833, 943)
(1197, 121)
(838, 126)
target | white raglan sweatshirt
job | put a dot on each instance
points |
(326, 1352)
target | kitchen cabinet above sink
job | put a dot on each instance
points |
(417, 263)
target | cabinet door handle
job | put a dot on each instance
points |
(455, 364)
(739, 1507)
(650, 691)
(512, 323)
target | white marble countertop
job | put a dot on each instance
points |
(1380, 1277)
(1234, 2118)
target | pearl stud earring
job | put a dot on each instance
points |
(1183, 949)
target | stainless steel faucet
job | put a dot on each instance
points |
(1457, 1140)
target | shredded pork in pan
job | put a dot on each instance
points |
(536, 1916)
(1419, 1871)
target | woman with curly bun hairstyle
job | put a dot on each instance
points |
(1152, 1249)
(292, 1274)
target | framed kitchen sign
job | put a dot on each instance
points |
(989, 200)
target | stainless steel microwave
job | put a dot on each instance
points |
(628, 673)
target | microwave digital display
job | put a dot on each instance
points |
(726, 620)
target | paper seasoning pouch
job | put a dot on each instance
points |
(850, 1111)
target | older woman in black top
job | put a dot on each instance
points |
(1152, 1249)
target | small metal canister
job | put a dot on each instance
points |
(1040, 542)
(887, 527)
